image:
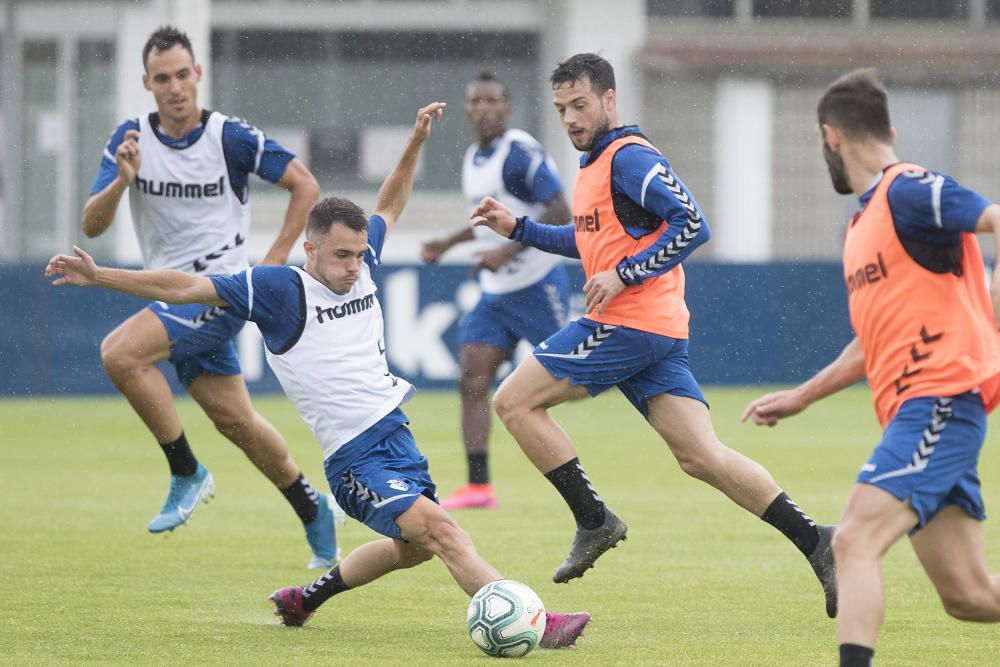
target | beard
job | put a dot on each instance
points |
(838, 172)
(602, 127)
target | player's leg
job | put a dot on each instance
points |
(522, 403)
(479, 364)
(129, 354)
(226, 401)
(873, 520)
(667, 394)
(953, 553)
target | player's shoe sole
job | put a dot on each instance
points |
(589, 545)
(562, 630)
(822, 564)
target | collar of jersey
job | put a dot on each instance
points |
(605, 140)
(179, 142)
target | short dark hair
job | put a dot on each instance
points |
(335, 209)
(590, 65)
(858, 105)
(486, 76)
(166, 37)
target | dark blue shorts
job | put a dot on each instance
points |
(201, 339)
(376, 482)
(929, 454)
(532, 313)
(599, 356)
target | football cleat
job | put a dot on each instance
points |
(322, 535)
(562, 630)
(588, 545)
(471, 496)
(822, 564)
(288, 606)
(185, 494)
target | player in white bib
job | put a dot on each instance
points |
(525, 292)
(322, 326)
(186, 171)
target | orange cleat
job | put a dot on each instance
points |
(471, 496)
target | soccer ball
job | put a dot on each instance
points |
(506, 619)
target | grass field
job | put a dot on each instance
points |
(698, 582)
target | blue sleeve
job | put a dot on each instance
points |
(109, 169)
(529, 175)
(644, 176)
(249, 151)
(271, 296)
(376, 239)
(931, 207)
(556, 239)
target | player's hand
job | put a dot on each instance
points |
(431, 251)
(494, 258)
(128, 157)
(491, 213)
(425, 118)
(80, 270)
(770, 408)
(601, 288)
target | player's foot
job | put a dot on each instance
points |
(588, 545)
(822, 564)
(470, 496)
(322, 535)
(562, 630)
(288, 606)
(185, 493)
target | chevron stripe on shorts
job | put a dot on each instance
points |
(928, 441)
(593, 341)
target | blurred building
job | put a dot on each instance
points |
(726, 88)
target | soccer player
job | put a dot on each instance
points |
(926, 340)
(633, 224)
(323, 332)
(187, 170)
(525, 292)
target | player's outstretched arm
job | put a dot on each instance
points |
(396, 189)
(169, 286)
(989, 221)
(845, 370)
(303, 192)
(99, 211)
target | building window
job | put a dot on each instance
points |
(919, 9)
(815, 9)
(689, 7)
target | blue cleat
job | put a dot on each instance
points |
(322, 534)
(185, 493)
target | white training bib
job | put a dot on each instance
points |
(184, 209)
(484, 178)
(336, 374)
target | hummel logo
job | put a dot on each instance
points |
(543, 345)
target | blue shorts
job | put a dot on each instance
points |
(928, 455)
(599, 356)
(375, 482)
(532, 313)
(201, 339)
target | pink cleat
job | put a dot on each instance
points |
(562, 630)
(471, 496)
(288, 607)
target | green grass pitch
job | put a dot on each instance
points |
(698, 582)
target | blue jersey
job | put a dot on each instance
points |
(275, 303)
(649, 193)
(526, 172)
(931, 207)
(247, 150)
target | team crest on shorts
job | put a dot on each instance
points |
(397, 484)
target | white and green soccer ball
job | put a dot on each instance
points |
(506, 619)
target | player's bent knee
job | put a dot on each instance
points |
(474, 386)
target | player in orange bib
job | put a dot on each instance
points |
(927, 342)
(633, 223)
